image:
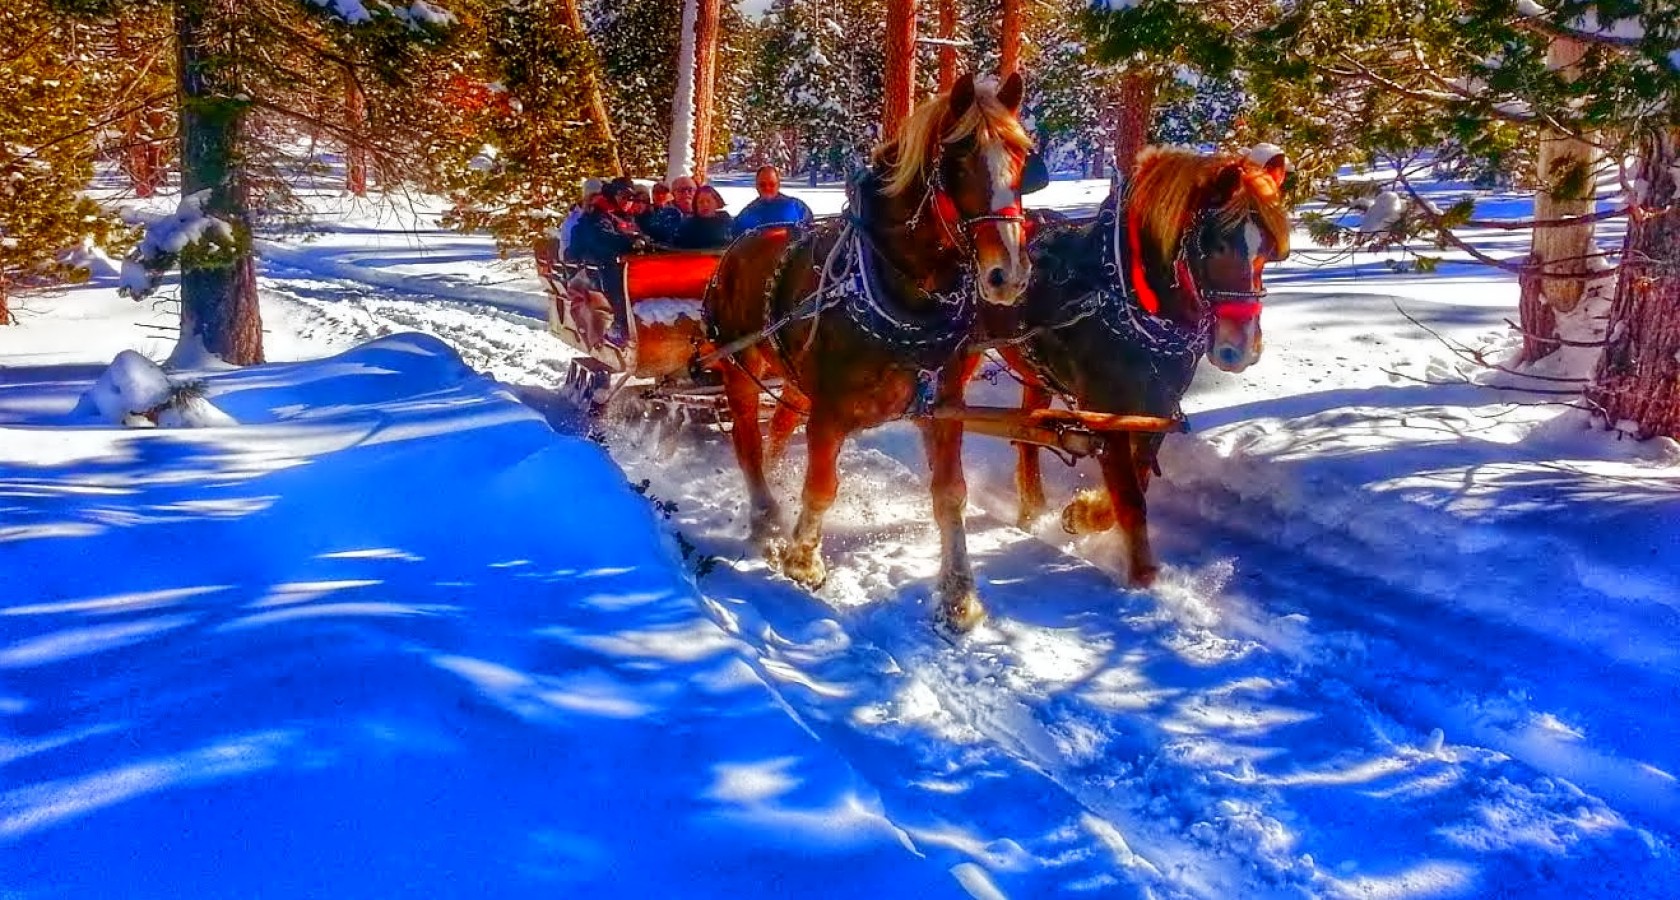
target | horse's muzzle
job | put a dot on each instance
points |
(1003, 285)
(1235, 344)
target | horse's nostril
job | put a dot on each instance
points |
(996, 278)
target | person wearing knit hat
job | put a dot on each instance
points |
(591, 190)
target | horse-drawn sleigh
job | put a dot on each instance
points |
(884, 314)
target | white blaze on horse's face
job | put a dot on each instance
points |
(1236, 342)
(1000, 247)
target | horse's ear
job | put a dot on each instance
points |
(962, 96)
(1225, 185)
(1010, 94)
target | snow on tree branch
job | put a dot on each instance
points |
(167, 238)
(418, 14)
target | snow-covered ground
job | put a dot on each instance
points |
(393, 634)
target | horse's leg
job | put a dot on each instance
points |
(785, 420)
(1029, 478)
(802, 559)
(743, 392)
(1123, 475)
(959, 601)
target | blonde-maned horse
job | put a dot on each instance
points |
(872, 308)
(1119, 313)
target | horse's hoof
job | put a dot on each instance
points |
(961, 611)
(1144, 576)
(1089, 512)
(804, 566)
(1028, 518)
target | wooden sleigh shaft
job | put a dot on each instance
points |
(1072, 431)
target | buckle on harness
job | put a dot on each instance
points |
(927, 393)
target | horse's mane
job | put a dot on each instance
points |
(907, 155)
(1170, 183)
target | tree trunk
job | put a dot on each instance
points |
(1538, 318)
(947, 51)
(679, 151)
(219, 289)
(5, 304)
(901, 66)
(355, 152)
(597, 100)
(1009, 39)
(705, 81)
(140, 156)
(1567, 170)
(1639, 375)
(1134, 115)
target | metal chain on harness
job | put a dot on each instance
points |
(847, 280)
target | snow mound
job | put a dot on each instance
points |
(135, 391)
(400, 618)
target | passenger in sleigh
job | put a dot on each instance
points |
(606, 232)
(772, 207)
(710, 228)
(662, 218)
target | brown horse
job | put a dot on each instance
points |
(864, 314)
(1118, 313)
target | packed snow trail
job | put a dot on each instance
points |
(1257, 725)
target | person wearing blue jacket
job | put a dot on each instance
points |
(772, 206)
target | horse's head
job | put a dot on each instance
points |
(966, 151)
(1219, 220)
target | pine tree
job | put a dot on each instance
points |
(818, 81)
(517, 155)
(637, 43)
(1473, 80)
(251, 73)
(738, 41)
(48, 130)
(1069, 100)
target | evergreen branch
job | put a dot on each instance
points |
(36, 39)
(1447, 233)
(1363, 72)
(35, 151)
(1563, 222)
(1550, 121)
(1552, 30)
(1469, 354)
(306, 42)
(1553, 338)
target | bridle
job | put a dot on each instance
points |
(957, 227)
(1232, 306)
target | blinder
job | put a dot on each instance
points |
(1233, 306)
(1035, 173)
